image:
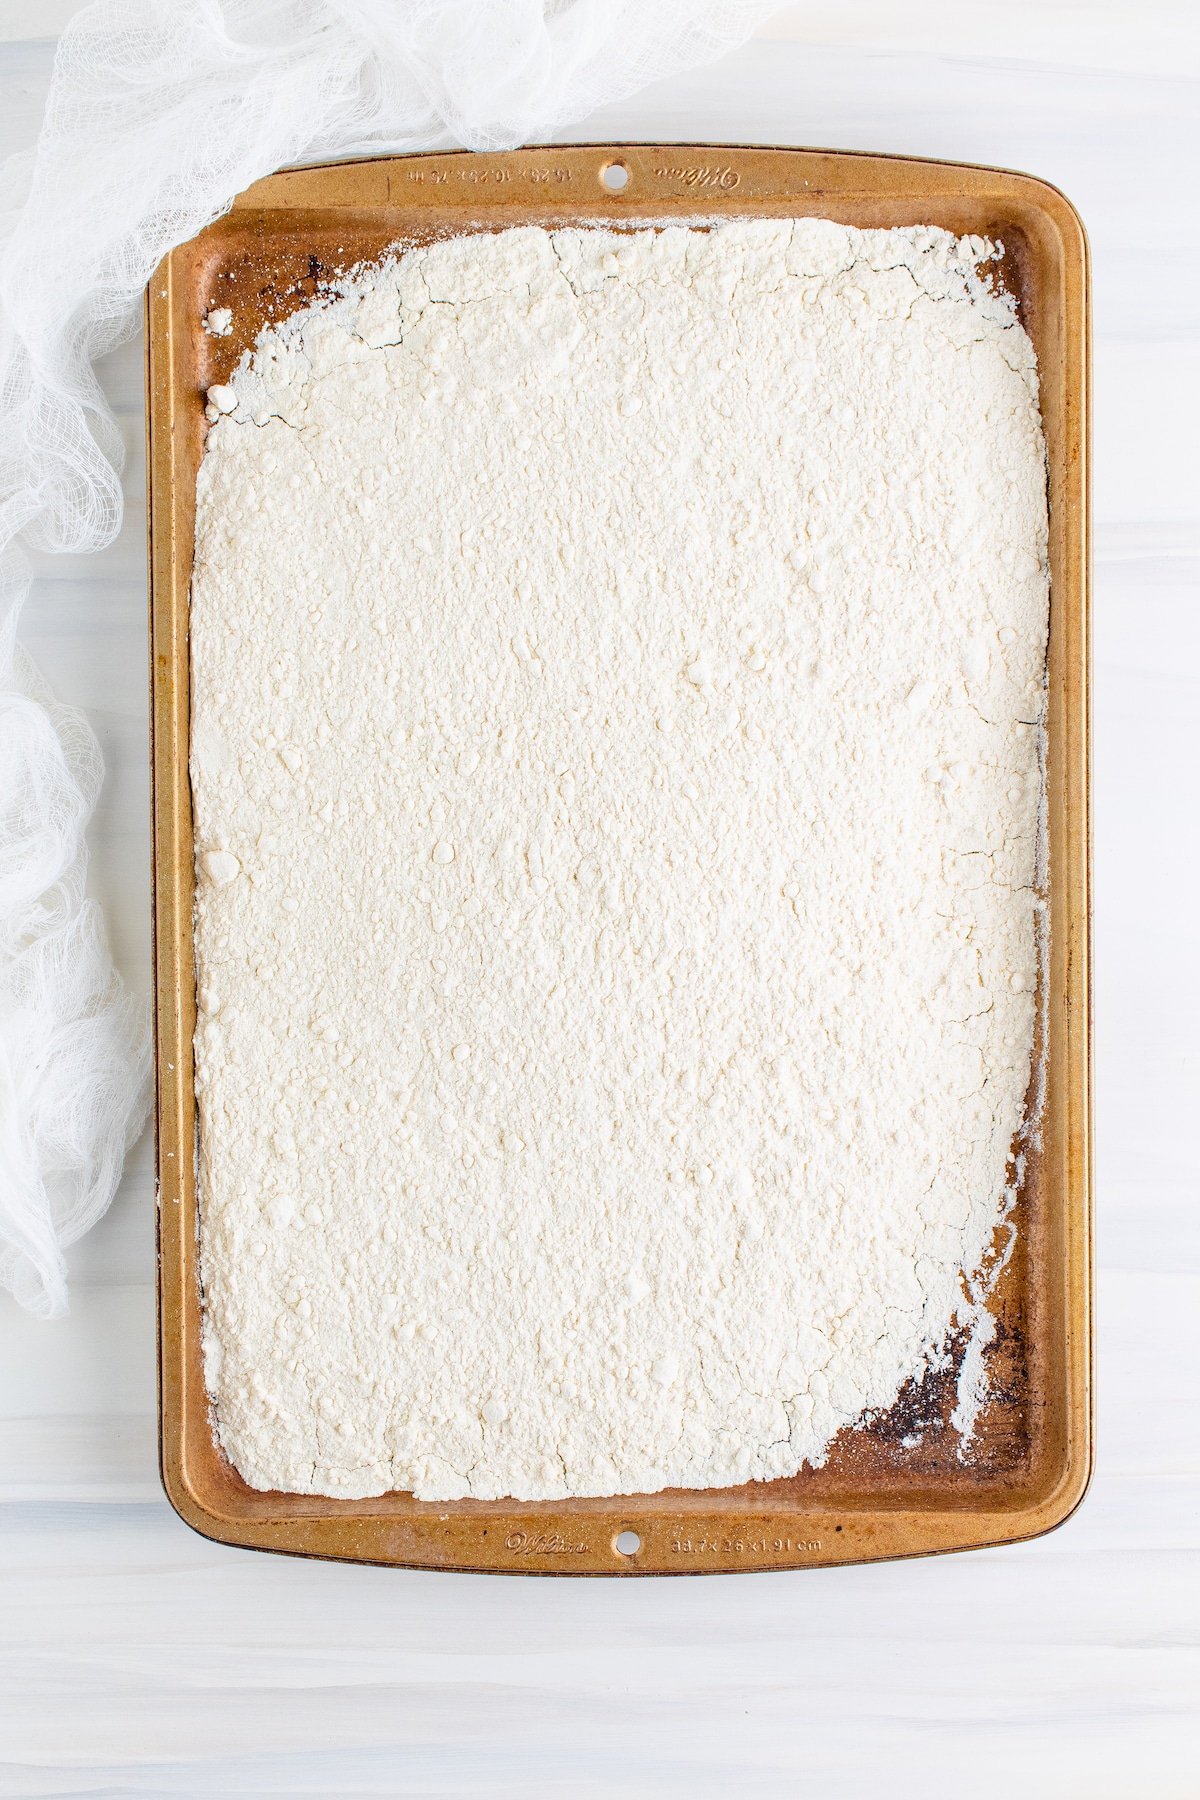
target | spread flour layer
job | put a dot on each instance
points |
(618, 671)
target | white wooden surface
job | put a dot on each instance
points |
(139, 1659)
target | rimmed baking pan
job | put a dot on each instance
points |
(874, 1497)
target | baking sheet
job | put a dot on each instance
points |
(1031, 1457)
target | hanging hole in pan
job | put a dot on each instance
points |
(615, 177)
(627, 1543)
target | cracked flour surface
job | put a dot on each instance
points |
(618, 672)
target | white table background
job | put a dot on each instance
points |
(140, 1659)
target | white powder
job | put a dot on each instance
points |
(618, 666)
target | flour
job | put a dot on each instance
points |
(618, 672)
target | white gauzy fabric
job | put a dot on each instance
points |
(159, 113)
